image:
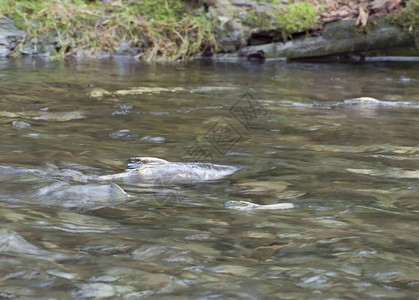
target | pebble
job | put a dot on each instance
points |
(21, 124)
(151, 139)
(95, 290)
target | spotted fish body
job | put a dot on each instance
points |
(155, 170)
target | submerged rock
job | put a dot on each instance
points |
(95, 290)
(153, 139)
(58, 116)
(21, 124)
(388, 172)
(257, 187)
(11, 243)
(100, 93)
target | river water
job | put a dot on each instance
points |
(347, 174)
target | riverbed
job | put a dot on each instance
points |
(346, 172)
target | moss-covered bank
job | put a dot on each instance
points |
(152, 29)
(409, 19)
(176, 30)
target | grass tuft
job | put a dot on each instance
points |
(167, 30)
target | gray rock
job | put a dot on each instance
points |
(9, 36)
(21, 124)
(342, 37)
(11, 243)
(153, 139)
(44, 46)
(95, 290)
(4, 51)
(124, 49)
(231, 33)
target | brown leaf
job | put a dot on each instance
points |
(379, 5)
(331, 4)
(393, 5)
(383, 7)
(363, 14)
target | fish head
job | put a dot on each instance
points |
(143, 163)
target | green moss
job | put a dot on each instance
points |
(289, 18)
(160, 10)
(300, 16)
(408, 17)
(162, 29)
(261, 20)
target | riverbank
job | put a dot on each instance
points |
(174, 31)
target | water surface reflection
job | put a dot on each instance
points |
(350, 172)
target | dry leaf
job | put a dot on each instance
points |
(363, 14)
(331, 4)
(383, 7)
(393, 5)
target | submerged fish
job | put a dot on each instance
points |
(90, 196)
(375, 102)
(244, 205)
(156, 170)
(96, 190)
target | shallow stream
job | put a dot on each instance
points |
(348, 174)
